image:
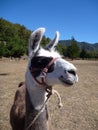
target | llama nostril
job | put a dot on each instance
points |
(71, 72)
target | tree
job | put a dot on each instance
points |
(73, 50)
(45, 41)
(61, 49)
(18, 47)
(17, 51)
(1, 49)
(83, 53)
(96, 55)
(16, 38)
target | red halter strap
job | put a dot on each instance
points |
(43, 73)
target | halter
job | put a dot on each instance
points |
(42, 74)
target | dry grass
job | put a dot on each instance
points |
(80, 102)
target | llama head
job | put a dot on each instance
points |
(59, 71)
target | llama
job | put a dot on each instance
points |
(45, 69)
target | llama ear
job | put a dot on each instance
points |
(51, 46)
(34, 40)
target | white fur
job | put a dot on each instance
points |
(43, 52)
(53, 78)
(36, 92)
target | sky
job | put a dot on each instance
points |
(72, 18)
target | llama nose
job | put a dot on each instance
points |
(73, 72)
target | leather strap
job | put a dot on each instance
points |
(43, 73)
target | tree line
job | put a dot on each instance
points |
(14, 43)
(13, 39)
(73, 51)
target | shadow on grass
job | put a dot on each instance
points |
(4, 74)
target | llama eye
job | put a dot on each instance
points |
(40, 62)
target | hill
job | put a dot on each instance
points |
(82, 45)
(10, 32)
(14, 42)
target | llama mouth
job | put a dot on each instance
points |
(64, 81)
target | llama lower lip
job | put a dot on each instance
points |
(62, 79)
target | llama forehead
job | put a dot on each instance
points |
(46, 53)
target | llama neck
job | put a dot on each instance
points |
(37, 93)
(35, 97)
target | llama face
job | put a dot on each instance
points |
(60, 71)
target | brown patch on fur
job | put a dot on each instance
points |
(17, 113)
(22, 112)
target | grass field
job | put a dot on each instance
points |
(80, 102)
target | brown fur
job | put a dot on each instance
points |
(17, 113)
(23, 112)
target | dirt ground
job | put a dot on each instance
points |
(80, 102)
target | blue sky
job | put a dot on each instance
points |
(78, 18)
